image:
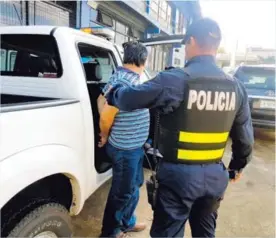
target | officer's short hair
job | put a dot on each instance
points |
(206, 32)
(135, 53)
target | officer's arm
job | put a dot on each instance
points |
(146, 95)
(242, 134)
(164, 92)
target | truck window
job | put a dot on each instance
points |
(92, 55)
(11, 61)
(30, 56)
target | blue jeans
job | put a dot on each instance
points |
(123, 196)
(188, 192)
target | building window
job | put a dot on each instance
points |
(154, 6)
(124, 33)
(101, 18)
(164, 6)
(120, 39)
(121, 28)
(179, 22)
(61, 13)
(176, 20)
(158, 58)
(169, 17)
(161, 11)
(177, 61)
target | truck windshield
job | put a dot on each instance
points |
(257, 77)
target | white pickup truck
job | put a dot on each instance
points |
(50, 164)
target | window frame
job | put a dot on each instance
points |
(111, 54)
(10, 53)
(6, 58)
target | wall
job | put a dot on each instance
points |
(37, 13)
(86, 15)
(139, 5)
(124, 14)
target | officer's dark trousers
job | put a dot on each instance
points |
(187, 192)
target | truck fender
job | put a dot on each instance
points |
(28, 166)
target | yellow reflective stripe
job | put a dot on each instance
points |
(199, 154)
(192, 137)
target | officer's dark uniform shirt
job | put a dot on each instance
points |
(166, 92)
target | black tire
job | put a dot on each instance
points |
(51, 217)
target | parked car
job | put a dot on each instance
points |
(259, 81)
(50, 163)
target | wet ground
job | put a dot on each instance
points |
(248, 209)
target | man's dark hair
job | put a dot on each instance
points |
(135, 53)
(206, 32)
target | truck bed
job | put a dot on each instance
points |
(8, 99)
(48, 122)
(11, 102)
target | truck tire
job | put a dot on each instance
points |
(49, 220)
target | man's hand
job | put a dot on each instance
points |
(107, 116)
(100, 103)
(103, 140)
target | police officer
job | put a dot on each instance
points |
(201, 107)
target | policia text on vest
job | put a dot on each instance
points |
(212, 101)
(198, 130)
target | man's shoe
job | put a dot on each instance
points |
(122, 235)
(138, 227)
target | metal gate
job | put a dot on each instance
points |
(60, 13)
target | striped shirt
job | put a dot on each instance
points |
(130, 130)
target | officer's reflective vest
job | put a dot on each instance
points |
(198, 130)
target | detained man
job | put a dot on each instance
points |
(124, 134)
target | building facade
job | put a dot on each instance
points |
(61, 13)
(133, 20)
(130, 20)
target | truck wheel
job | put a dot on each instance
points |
(50, 220)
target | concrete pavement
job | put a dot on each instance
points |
(248, 209)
